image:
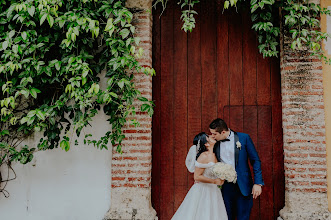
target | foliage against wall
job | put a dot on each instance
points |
(300, 18)
(52, 54)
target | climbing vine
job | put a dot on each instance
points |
(300, 18)
(52, 54)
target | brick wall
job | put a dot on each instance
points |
(304, 134)
(131, 171)
(133, 167)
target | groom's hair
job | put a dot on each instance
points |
(219, 125)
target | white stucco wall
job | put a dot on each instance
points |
(61, 185)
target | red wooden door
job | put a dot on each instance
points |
(215, 71)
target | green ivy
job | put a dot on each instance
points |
(301, 19)
(52, 54)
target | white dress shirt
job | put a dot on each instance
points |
(227, 150)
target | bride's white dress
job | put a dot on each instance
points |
(204, 201)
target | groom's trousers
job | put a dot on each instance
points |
(236, 204)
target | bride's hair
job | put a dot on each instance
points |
(202, 137)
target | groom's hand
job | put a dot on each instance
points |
(257, 190)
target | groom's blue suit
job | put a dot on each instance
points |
(237, 197)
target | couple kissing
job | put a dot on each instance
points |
(205, 200)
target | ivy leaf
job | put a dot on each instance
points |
(145, 107)
(96, 88)
(115, 66)
(254, 7)
(31, 10)
(58, 66)
(24, 35)
(121, 83)
(52, 121)
(84, 80)
(19, 49)
(34, 92)
(132, 28)
(43, 18)
(226, 4)
(109, 24)
(50, 20)
(137, 41)
(4, 45)
(40, 115)
(124, 33)
(143, 99)
(25, 93)
(15, 48)
(4, 132)
(253, 2)
(65, 145)
(114, 94)
(61, 23)
(11, 34)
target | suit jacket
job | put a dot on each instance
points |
(247, 151)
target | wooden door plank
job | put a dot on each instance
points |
(194, 86)
(180, 109)
(263, 81)
(250, 52)
(167, 114)
(236, 122)
(222, 71)
(250, 127)
(226, 114)
(208, 63)
(235, 58)
(266, 154)
(156, 120)
(277, 138)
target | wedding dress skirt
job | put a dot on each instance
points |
(204, 201)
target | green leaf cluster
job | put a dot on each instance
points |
(300, 18)
(52, 54)
(188, 14)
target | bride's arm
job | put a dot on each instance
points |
(200, 178)
(198, 173)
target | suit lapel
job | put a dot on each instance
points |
(217, 151)
(236, 150)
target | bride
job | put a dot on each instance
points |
(204, 201)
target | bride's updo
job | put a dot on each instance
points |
(202, 137)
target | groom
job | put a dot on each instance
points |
(236, 149)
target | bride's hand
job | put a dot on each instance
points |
(219, 182)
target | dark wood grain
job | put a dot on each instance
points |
(222, 65)
(235, 58)
(180, 110)
(208, 63)
(167, 114)
(156, 138)
(194, 100)
(277, 138)
(250, 127)
(263, 81)
(250, 52)
(266, 154)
